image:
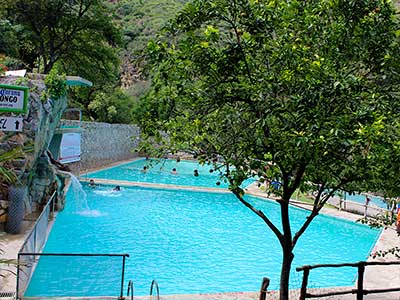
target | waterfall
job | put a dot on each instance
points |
(80, 196)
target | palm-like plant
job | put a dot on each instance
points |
(8, 175)
(9, 263)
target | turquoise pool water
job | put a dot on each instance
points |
(160, 172)
(190, 242)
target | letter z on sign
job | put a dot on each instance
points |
(11, 124)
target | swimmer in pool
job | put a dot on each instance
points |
(92, 184)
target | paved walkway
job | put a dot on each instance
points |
(375, 277)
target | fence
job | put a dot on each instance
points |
(32, 247)
(32, 256)
(360, 291)
(360, 208)
(34, 242)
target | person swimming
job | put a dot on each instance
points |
(117, 188)
(92, 184)
(196, 173)
(174, 171)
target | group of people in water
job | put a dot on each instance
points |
(92, 185)
(145, 169)
(173, 171)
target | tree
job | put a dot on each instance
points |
(296, 92)
(112, 108)
(77, 34)
(9, 44)
(8, 37)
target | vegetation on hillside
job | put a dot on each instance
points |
(141, 21)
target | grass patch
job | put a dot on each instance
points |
(309, 199)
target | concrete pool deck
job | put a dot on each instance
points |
(378, 277)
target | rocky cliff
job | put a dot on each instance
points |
(36, 176)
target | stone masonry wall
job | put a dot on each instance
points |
(103, 144)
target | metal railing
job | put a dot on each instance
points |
(45, 216)
(154, 285)
(153, 288)
(360, 291)
(130, 289)
(34, 242)
(20, 292)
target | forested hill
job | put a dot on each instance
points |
(140, 21)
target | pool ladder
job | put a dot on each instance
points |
(130, 289)
(154, 285)
(154, 289)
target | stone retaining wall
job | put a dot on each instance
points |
(103, 144)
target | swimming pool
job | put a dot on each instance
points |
(160, 172)
(360, 198)
(191, 242)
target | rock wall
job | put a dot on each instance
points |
(35, 174)
(103, 144)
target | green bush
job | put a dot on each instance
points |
(56, 86)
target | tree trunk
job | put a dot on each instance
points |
(47, 67)
(285, 272)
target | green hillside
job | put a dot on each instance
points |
(141, 20)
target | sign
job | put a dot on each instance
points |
(70, 148)
(18, 73)
(11, 124)
(13, 98)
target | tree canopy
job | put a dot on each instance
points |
(78, 34)
(304, 93)
(77, 37)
